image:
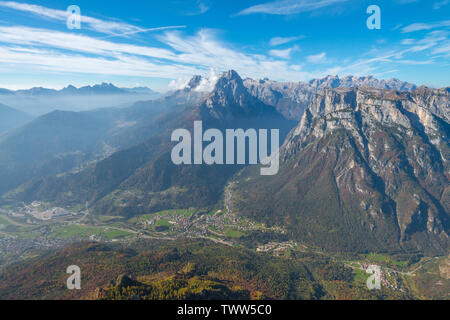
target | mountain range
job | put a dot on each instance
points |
(292, 98)
(38, 101)
(103, 88)
(142, 161)
(364, 164)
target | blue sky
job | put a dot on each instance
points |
(161, 43)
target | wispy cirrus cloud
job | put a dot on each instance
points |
(436, 43)
(49, 60)
(288, 7)
(112, 28)
(432, 40)
(206, 50)
(317, 58)
(185, 55)
(283, 40)
(425, 26)
(440, 4)
(77, 43)
(202, 7)
(283, 53)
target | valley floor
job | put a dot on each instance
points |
(28, 231)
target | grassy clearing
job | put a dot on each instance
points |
(162, 223)
(385, 260)
(115, 234)
(233, 233)
(360, 277)
(77, 231)
(67, 232)
(376, 257)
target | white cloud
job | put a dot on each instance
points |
(440, 4)
(317, 58)
(178, 84)
(207, 84)
(445, 48)
(408, 41)
(102, 26)
(202, 7)
(204, 49)
(434, 43)
(46, 60)
(180, 55)
(425, 26)
(288, 7)
(79, 43)
(283, 40)
(186, 55)
(52, 51)
(283, 54)
(433, 40)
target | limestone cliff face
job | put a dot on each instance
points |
(379, 158)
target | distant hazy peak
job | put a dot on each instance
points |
(368, 81)
(97, 89)
(334, 81)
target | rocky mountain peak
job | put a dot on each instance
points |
(231, 84)
(194, 82)
(229, 91)
(231, 98)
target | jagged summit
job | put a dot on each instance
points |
(231, 75)
(229, 89)
(194, 82)
(334, 81)
(230, 97)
